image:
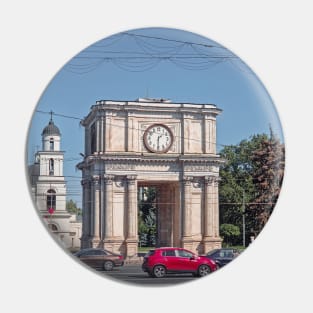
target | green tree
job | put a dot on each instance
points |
(147, 229)
(252, 174)
(237, 179)
(269, 164)
(230, 233)
(72, 208)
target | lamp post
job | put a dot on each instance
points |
(243, 220)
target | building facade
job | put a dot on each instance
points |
(48, 188)
(150, 143)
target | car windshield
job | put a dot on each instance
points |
(151, 252)
(212, 252)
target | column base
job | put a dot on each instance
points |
(211, 243)
(95, 242)
(85, 242)
(187, 242)
(115, 245)
(131, 247)
(193, 243)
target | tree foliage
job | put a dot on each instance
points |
(269, 162)
(251, 176)
(72, 208)
(147, 227)
(230, 233)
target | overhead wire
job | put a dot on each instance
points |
(136, 128)
(148, 51)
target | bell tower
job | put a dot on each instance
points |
(50, 186)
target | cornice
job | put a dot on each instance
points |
(136, 106)
(152, 158)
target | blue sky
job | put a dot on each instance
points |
(126, 67)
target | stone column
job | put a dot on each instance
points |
(208, 207)
(96, 211)
(186, 206)
(132, 233)
(216, 218)
(211, 239)
(101, 135)
(108, 207)
(86, 214)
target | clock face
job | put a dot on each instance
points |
(158, 138)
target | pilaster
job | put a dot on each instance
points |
(86, 213)
(108, 207)
(211, 239)
(132, 237)
(95, 238)
(186, 206)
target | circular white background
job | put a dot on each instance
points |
(273, 38)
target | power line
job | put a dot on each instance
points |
(150, 55)
(172, 40)
(135, 128)
(62, 115)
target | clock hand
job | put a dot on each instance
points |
(158, 141)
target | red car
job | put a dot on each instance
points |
(160, 261)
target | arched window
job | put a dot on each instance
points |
(53, 227)
(51, 144)
(51, 199)
(51, 167)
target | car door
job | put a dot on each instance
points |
(93, 258)
(224, 256)
(170, 259)
(186, 261)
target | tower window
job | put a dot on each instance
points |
(51, 144)
(93, 138)
(51, 167)
(53, 227)
(51, 199)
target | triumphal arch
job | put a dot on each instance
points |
(150, 142)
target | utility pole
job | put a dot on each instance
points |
(243, 220)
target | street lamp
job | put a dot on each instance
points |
(243, 220)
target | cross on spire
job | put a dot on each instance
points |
(51, 113)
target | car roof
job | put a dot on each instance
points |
(171, 248)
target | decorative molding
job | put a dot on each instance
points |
(108, 179)
(120, 183)
(85, 182)
(95, 179)
(119, 167)
(187, 180)
(131, 179)
(198, 168)
(211, 180)
(197, 184)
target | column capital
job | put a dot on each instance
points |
(131, 179)
(85, 182)
(187, 180)
(95, 179)
(211, 180)
(108, 179)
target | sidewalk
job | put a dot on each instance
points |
(136, 259)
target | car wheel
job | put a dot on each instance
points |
(108, 265)
(159, 271)
(203, 270)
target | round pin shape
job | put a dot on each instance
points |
(162, 154)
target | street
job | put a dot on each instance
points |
(133, 274)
